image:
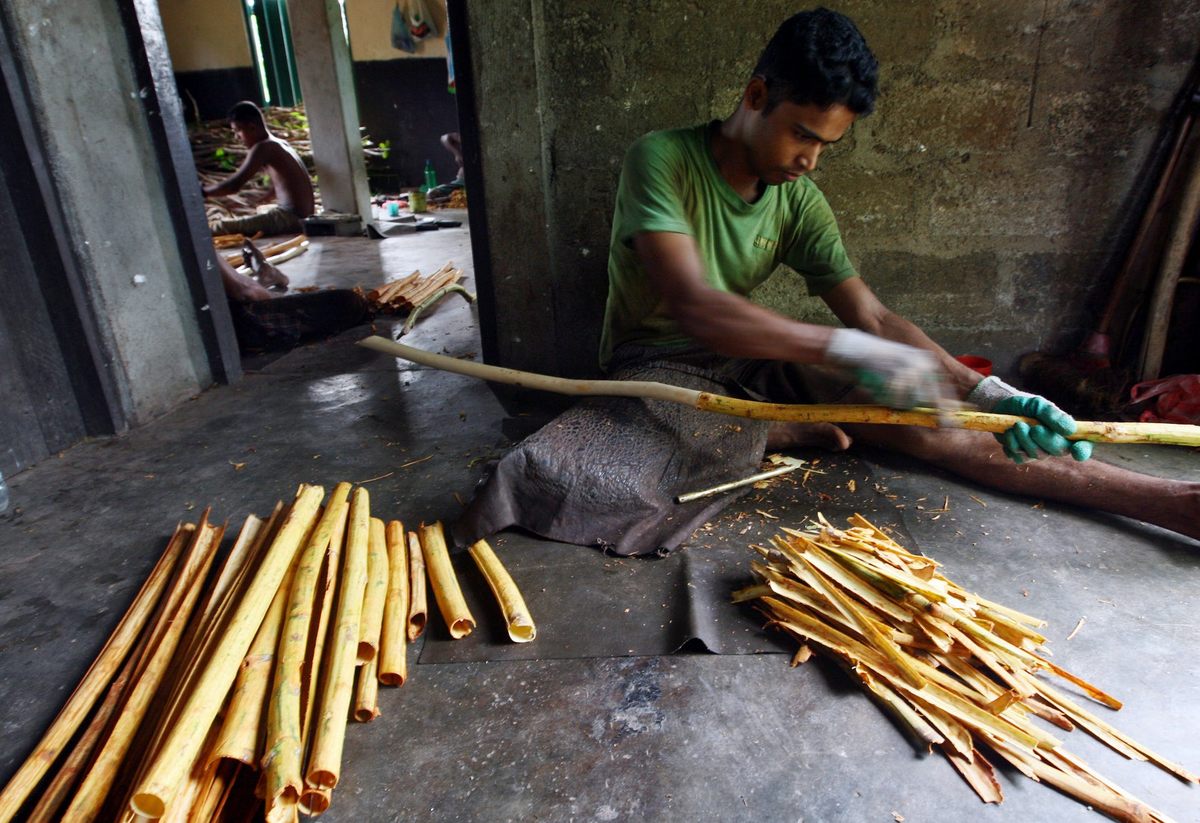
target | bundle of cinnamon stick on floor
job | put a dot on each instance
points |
(224, 693)
(959, 672)
(405, 294)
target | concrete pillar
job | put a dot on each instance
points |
(96, 159)
(327, 83)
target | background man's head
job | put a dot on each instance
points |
(247, 120)
(819, 57)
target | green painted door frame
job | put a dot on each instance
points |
(271, 47)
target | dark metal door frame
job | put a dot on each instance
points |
(468, 127)
(168, 133)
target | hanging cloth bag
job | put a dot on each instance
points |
(420, 22)
(401, 37)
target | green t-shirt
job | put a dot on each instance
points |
(671, 183)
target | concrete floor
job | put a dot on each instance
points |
(680, 737)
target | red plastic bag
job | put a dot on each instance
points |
(1178, 399)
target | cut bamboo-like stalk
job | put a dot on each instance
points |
(444, 582)
(60, 789)
(166, 634)
(376, 592)
(158, 787)
(196, 781)
(329, 730)
(221, 779)
(283, 758)
(94, 683)
(366, 695)
(393, 648)
(235, 575)
(512, 605)
(385, 292)
(231, 568)
(418, 597)
(978, 773)
(314, 801)
(244, 728)
(197, 648)
(737, 484)
(322, 622)
(916, 725)
(1095, 431)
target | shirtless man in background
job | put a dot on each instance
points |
(289, 178)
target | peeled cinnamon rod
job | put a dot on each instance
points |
(1095, 431)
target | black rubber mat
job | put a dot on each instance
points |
(587, 604)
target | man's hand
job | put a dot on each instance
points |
(1021, 441)
(896, 375)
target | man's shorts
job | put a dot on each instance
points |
(276, 220)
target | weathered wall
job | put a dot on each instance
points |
(75, 59)
(205, 34)
(980, 199)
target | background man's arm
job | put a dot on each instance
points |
(252, 165)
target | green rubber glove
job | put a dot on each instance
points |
(1022, 442)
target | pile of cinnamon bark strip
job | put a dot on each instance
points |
(959, 672)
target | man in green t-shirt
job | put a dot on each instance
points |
(705, 214)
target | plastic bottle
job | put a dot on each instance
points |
(3, 495)
(430, 176)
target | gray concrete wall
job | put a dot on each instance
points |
(980, 199)
(75, 59)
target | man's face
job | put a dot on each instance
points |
(246, 132)
(785, 144)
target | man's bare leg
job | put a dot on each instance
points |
(1171, 504)
(239, 287)
(807, 435)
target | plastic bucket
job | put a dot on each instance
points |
(974, 361)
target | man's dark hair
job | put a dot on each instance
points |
(246, 112)
(819, 57)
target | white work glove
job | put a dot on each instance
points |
(896, 375)
(1021, 441)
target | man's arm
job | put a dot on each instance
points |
(256, 160)
(897, 374)
(857, 306)
(853, 302)
(725, 323)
